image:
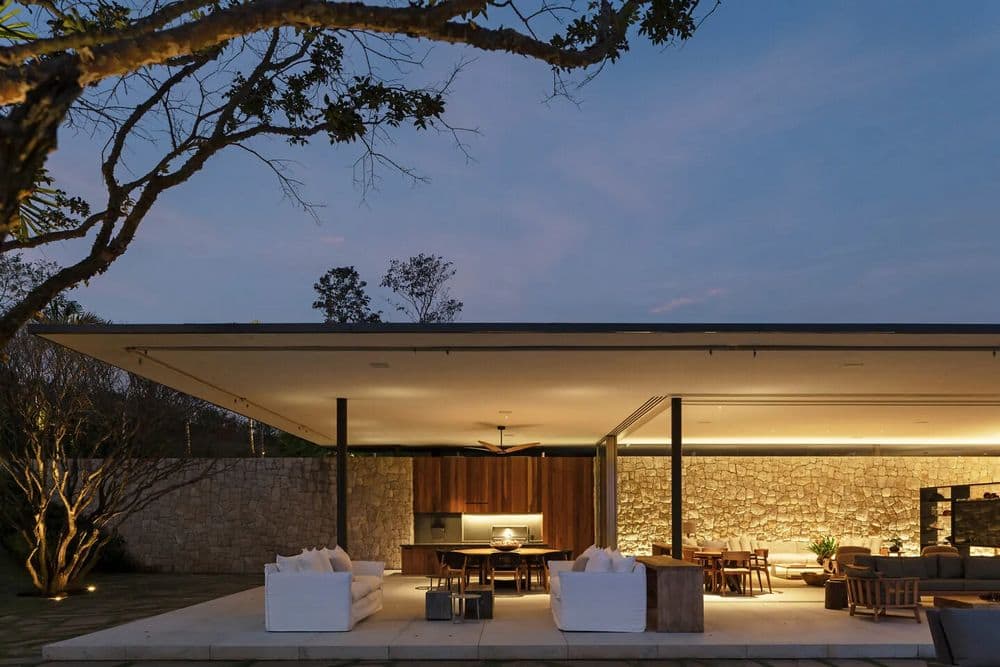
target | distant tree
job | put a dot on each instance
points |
(18, 277)
(421, 286)
(342, 297)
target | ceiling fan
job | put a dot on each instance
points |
(501, 449)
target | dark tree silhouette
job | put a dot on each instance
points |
(342, 298)
(421, 287)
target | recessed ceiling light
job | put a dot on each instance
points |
(379, 364)
(704, 421)
(921, 421)
(853, 364)
(506, 412)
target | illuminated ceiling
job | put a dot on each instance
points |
(449, 385)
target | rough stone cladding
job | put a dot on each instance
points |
(789, 497)
(238, 520)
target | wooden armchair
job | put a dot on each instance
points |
(845, 556)
(867, 590)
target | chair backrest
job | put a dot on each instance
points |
(736, 559)
(940, 550)
(505, 561)
(454, 560)
(567, 554)
(439, 553)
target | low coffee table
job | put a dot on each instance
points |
(963, 601)
(795, 570)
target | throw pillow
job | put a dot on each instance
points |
(857, 572)
(313, 560)
(580, 564)
(620, 563)
(287, 563)
(339, 559)
(599, 561)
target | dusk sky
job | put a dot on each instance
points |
(795, 161)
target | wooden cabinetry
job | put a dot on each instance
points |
(560, 487)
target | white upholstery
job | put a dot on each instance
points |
(789, 550)
(597, 601)
(321, 601)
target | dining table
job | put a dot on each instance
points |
(481, 554)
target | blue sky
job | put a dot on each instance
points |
(795, 161)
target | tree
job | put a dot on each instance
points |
(80, 448)
(342, 297)
(18, 277)
(420, 284)
(201, 76)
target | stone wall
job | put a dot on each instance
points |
(787, 497)
(239, 519)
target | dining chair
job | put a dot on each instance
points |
(441, 576)
(456, 565)
(548, 558)
(758, 563)
(736, 564)
(506, 563)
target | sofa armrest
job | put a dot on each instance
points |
(368, 568)
(557, 566)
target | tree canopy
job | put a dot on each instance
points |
(195, 77)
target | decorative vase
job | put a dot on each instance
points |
(894, 548)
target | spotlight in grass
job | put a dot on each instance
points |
(58, 598)
(91, 588)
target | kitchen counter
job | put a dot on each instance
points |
(421, 557)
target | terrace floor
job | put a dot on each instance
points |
(790, 624)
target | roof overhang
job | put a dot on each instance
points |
(795, 386)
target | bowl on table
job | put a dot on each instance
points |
(505, 545)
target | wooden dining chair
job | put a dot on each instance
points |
(455, 565)
(736, 564)
(758, 563)
(506, 563)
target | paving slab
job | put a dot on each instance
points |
(790, 624)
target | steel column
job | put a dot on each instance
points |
(342, 473)
(676, 452)
(611, 491)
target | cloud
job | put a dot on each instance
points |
(688, 300)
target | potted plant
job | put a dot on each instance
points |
(824, 547)
(895, 544)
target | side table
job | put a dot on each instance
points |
(835, 596)
(437, 604)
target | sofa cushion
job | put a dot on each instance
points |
(314, 560)
(936, 585)
(580, 564)
(620, 563)
(981, 584)
(288, 563)
(950, 567)
(860, 572)
(982, 567)
(363, 585)
(972, 635)
(889, 566)
(918, 566)
(599, 561)
(339, 559)
(865, 560)
(715, 545)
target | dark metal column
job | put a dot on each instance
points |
(342, 473)
(610, 483)
(676, 449)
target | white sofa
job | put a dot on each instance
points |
(791, 550)
(321, 601)
(597, 601)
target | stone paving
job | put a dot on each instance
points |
(27, 623)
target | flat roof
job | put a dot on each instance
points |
(796, 386)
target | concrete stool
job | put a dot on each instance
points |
(437, 604)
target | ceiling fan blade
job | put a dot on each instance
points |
(490, 446)
(517, 448)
